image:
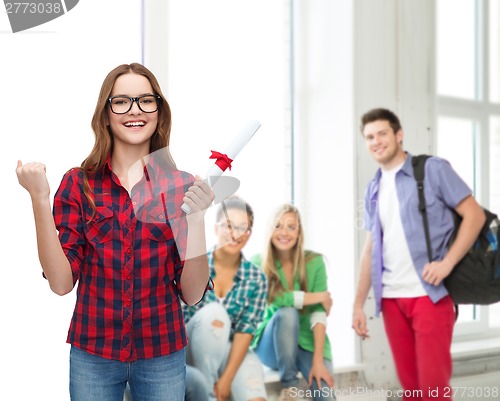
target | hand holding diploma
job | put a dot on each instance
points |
(223, 160)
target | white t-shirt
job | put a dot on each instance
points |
(399, 278)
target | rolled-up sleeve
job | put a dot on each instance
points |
(68, 220)
(319, 282)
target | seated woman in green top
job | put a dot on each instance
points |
(292, 336)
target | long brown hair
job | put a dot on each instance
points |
(270, 255)
(103, 145)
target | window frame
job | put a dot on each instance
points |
(478, 110)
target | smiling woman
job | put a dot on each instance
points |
(54, 71)
(137, 254)
(222, 325)
(292, 336)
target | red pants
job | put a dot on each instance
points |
(420, 334)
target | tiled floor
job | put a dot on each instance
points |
(273, 390)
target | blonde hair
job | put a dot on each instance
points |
(270, 255)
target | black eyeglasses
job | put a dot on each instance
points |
(123, 104)
(230, 228)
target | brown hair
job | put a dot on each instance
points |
(103, 145)
(380, 114)
(235, 202)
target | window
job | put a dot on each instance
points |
(468, 116)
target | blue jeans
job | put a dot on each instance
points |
(93, 378)
(196, 385)
(278, 348)
(208, 351)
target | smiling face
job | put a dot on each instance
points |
(134, 128)
(384, 145)
(286, 232)
(233, 231)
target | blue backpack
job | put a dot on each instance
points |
(476, 278)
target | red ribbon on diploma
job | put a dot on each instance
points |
(223, 161)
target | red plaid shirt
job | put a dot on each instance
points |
(127, 260)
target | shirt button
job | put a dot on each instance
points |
(129, 251)
(161, 216)
(134, 203)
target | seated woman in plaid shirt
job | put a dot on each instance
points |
(222, 325)
(123, 238)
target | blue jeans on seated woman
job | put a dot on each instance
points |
(93, 378)
(196, 385)
(208, 351)
(279, 349)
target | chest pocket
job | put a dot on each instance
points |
(157, 224)
(100, 228)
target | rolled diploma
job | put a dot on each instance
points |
(231, 151)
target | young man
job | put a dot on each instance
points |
(417, 310)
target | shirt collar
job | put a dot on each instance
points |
(240, 273)
(407, 166)
(407, 169)
(107, 162)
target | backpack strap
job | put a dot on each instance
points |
(418, 163)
